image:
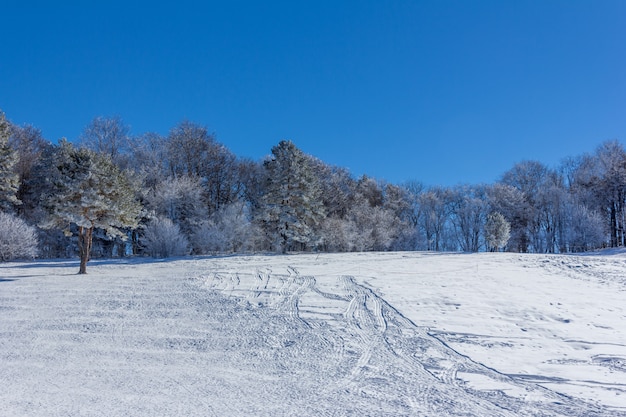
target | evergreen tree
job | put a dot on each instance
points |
(88, 191)
(292, 203)
(9, 179)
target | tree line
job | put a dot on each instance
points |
(114, 194)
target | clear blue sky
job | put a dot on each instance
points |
(442, 92)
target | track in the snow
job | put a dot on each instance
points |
(382, 357)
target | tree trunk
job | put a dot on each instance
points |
(84, 244)
(613, 213)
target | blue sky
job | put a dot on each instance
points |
(443, 92)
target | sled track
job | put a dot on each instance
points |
(379, 356)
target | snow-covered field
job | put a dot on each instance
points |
(367, 334)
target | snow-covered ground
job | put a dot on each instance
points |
(366, 334)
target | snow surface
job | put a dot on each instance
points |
(365, 334)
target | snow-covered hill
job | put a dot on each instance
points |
(311, 335)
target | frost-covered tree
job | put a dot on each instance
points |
(193, 151)
(434, 210)
(528, 177)
(9, 179)
(30, 146)
(337, 188)
(149, 156)
(88, 191)
(371, 190)
(228, 230)
(18, 240)
(585, 229)
(398, 202)
(373, 228)
(180, 200)
(551, 214)
(600, 184)
(292, 206)
(468, 212)
(338, 234)
(108, 136)
(252, 177)
(414, 189)
(497, 231)
(512, 204)
(367, 227)
(163, 239)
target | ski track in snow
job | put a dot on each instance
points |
(253, 335)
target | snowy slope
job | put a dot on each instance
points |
(345, 334)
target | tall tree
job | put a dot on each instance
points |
(337, 188)
(109, 136)
(511, 203)
(30, 146)
(551, 214)
(528, 177)
(89, 191)
(194, 152)
(468, 212)
(293, 207)
(609, 184)
(9, 179)
(149, 155)
(435, 205)
(180, 200)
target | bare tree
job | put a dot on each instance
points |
(109, 136)
(194, 152)
(435, 206)
(180, 200)
(149, 154)
(468, 213)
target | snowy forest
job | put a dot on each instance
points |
(111, 194)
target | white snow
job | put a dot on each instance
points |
(378, 334)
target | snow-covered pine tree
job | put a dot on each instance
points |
(9, 179)
(497, 231)
(89, 191)
(292, 203)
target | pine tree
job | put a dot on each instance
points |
(9, 179)
(292, 202)
(88, 191)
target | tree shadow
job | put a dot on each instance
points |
(62, 263)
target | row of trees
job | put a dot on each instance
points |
(112, 194)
